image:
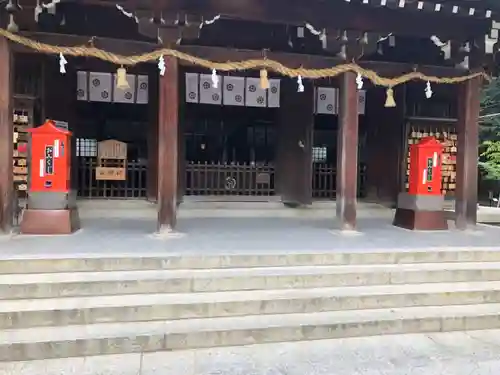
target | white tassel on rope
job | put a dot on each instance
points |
(300, 85)
(321, 34)
(209, 22)
(62, 64)
(428, 90)
(359, 81)
(51, 7)
(127, 14)
(161, 65)
(38, 10)
(215, 79)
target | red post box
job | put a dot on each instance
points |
(51, 207)
(50, 159)
(421, 208)
(425, 167)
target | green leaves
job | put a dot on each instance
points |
(489, 131)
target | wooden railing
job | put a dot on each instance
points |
(134, 186)
(325, 181)
(206, 179)
(229, 179)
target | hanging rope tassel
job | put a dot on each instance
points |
(359, 81)
(161, 65)
(300, 84)
(121, 79)
(264, 81)
(215, 79)
(389, 101)
(62, 64)
(428, 90)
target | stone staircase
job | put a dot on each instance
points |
(84, 307)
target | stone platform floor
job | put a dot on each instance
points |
(456, 353)
(129, 236)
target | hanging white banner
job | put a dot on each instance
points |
(100, 87)
(142, 95)
(361, 102)
(124, 95)
(326, 100)
(192, 87)
(273, 93)
(254, 95)
(234, 91)
(82, 86)
(209, 94)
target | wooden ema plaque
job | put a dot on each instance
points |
(448, 137)
(111, 161)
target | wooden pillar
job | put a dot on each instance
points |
(181, 178)
(347, 152)
(153, 111)
(168, 122)
(294, 153)
(6, 134)
(467, 153)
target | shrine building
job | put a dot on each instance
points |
(184, 129)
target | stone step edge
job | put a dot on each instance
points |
(239, 273)
(182, 311)
(54, 263)
(62, 304)
(100, 339)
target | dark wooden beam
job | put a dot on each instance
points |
(325, 14)
(338, 14)
(467, 153)
(168, 124)
(6, 133)
(347, 152)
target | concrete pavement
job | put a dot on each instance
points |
(457, 353)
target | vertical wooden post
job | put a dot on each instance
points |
(152, 140)
(168, 122)
(347, 152)
(294, 149)
(467, 153)
(6, 134)
(181, 173)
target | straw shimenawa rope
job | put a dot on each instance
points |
(234, 65)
